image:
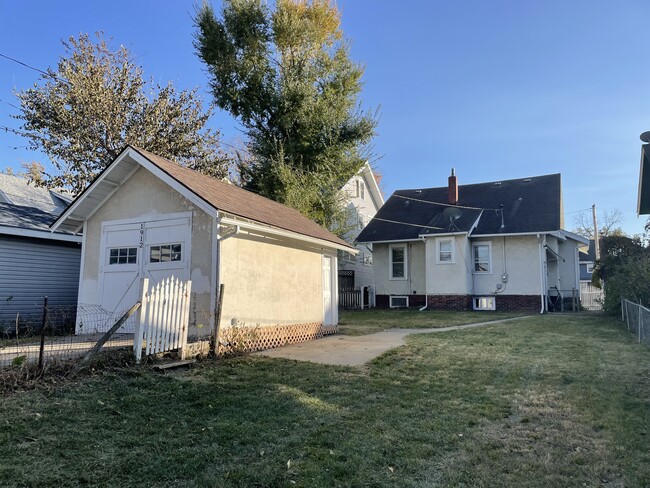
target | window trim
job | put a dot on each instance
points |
(390, 301)
(489, 246)
(390, 262)
(439, 241)
(118, 249)
(476, 301)
(590, 265)
(164, 244)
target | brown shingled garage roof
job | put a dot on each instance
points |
(242, 203)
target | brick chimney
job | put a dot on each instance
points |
(453, 188)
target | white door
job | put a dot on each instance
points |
(328, 315)
(131, 251)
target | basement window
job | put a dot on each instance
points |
(483, 303)
(399, 302)
(123, 255)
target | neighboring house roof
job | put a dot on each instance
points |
(217, 194)
(25, 217)
(19, 191)
(518, 206)
(371, 184)
(28, 211)
(590, 255)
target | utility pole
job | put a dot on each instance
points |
(596, 243)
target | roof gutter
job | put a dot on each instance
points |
(286, 234)
(39, 234)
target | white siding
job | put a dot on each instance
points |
(416, 269)
(446, 278)
(366, 208)
(521, 265)
(31, 269)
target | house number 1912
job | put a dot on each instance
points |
(141, 235)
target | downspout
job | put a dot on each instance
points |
(215, 277)
(216, 273)
(426, 299)
(542, 294)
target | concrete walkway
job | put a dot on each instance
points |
(357, 350)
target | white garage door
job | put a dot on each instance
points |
(155, 249)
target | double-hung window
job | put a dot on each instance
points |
(398, 261)
(482, 257)
(445, 251)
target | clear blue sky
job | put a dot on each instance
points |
(497, 89)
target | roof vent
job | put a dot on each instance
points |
(498, 183)
(527, 179)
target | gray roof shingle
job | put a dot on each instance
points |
(529, 205)
(26, 206)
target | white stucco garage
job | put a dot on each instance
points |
(147, 217)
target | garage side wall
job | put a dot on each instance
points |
(270, 282)
(144, 197)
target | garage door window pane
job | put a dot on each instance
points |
(123, 255)
(165, 253)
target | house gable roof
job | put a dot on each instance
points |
(213, 193)
(530, 205)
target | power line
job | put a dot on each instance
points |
(407, 223)
(44, 73)
(10, 104)
(445, 204)
(576, 211)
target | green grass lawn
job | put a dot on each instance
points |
(553, 401)
(355, 322)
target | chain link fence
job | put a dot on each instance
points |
(58, 333)
(637, 318)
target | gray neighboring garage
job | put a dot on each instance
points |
(34, 262)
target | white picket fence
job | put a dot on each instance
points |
(164, 317)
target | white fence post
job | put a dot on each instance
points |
(186, 296)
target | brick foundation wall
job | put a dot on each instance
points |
(463, 303)
(518, 303)
(458, 303)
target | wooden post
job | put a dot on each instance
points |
(640, 323)
(43, 325)
(573, 298)
(217, 322)
(105, 338)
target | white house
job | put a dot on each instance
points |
(489, 246)
(145, 216)
(364, 199)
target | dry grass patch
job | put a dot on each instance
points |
(537, 403)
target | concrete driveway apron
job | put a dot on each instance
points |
(357, 350)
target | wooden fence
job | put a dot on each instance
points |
(591, 297)
(164, 317)
(349, 298)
